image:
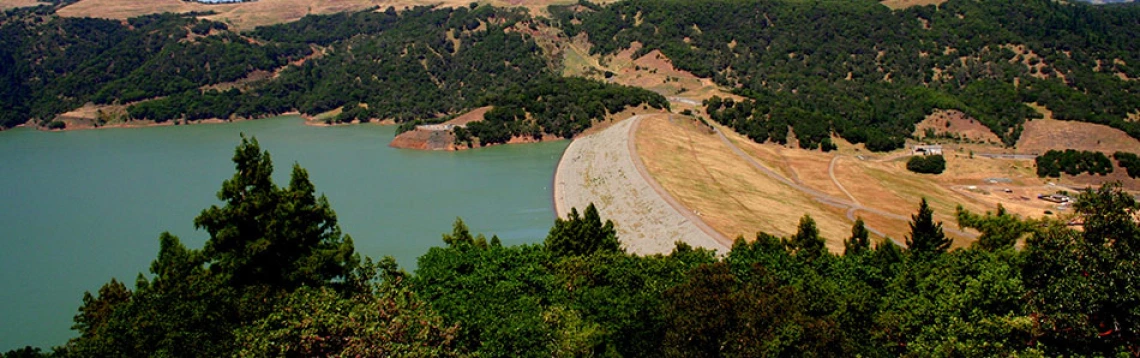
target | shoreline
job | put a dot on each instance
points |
(600, 168)
(146, 123)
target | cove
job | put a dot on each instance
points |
(78, 208)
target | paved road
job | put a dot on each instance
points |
(1008, 156)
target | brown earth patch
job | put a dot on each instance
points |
(425, 140)
(902, 4)
(474, 115)
(1043, 135)
(957, 124)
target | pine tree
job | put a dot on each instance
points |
(266, 235)
(582, 235)
(860, 241)
(926, 236)
(807, 243)
(460, 234)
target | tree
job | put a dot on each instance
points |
(807, 243)
(96, 312)
(460, 235)
(860, 241)
(582, 235)
(320, 322)
(715, 313)
(929, 164)
(1081, 284)
(926, 236)
(1000, 230)
(265, 235)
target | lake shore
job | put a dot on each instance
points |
(601, 168)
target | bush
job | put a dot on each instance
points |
(1130, 162)
(932, 164)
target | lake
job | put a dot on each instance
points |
(81, 207)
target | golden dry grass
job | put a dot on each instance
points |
(695, 167)
(1043, 135)
(11, 4)
(248, 15)
(706, 176)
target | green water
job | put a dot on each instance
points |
(78, 208)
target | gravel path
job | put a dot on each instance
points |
(602, 168)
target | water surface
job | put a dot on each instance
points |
(80, 207)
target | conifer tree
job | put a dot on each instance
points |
(807, 243)
(860, 241)
(926, 236)
(266, 235)
(582, 235)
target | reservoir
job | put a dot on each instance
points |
(78, 208)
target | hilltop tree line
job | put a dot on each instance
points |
(868, 73)
(277, 277)
(1072, 162)
(1077, 162)
(1129, 161)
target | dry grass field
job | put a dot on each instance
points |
(956, 123)
(697, 168)
(244, 16)
(883, 185)
(700, 171)
(1042, 135)
(10, 4)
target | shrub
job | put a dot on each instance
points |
(931, 164)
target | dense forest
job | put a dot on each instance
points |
(420, 63)
(277, 277)
(1073, 162)
(51, 64)
(1129, 161)
(853, 68)
(868, 74)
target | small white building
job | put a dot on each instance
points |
(923, 149)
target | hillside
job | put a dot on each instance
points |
(854, 68)
(869, 74)
(417, 64)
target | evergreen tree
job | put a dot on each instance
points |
(582, 235)
(460, 234)
(807, 243)
(860, 241)
(1000, 230)
(926, 236)
(265, 235)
